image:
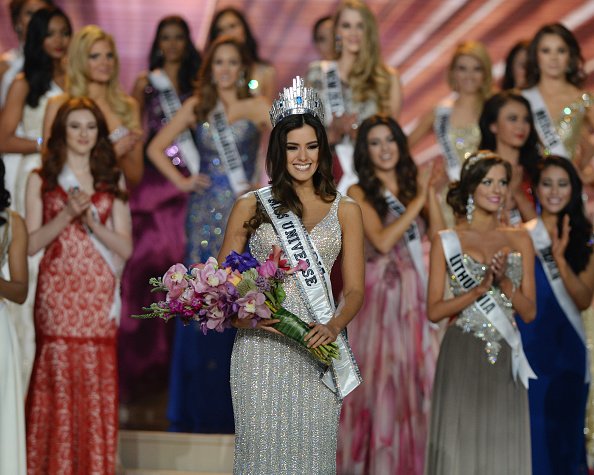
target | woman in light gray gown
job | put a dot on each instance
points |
(286, 412)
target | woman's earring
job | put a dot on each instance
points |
(469, 208)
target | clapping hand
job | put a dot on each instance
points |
(499, 265)
(559, 244)
(78, 202)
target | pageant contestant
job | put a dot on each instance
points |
(514, 76)
(13, 288)
(384, 424)
(356, 85)
(93, 71)
(76, 211)
(556, 342)
(286, 403)
(227, 124)
(479, 414)
(508, 130)
(260, 76)
(158, 210)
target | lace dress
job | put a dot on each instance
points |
(286, 419)
(479, 416)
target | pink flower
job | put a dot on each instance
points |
(252, 305)
(301, 266)
(216, 319)
(274, 263)
(268, 269)
(208, 276)
(174, 280)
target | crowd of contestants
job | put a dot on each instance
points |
(103, 190)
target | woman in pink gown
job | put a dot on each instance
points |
(384, 423)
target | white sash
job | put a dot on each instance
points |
(544, 124)
(170, 104)
(67, 180)
(441, 128)
(488, 307)
(314, 283)
(227, 149)
(542, 244)
(412, 237)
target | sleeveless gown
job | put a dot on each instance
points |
(158, 212)
(479, 415)
(72, 401)
(286, 418)
(558, 397)
(199, 392)
(31, 128)
(12, 396)
(384, 423)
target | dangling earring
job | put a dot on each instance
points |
(469, 208)
(338, 44)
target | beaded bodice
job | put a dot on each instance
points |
(471, 319)
(570, 121)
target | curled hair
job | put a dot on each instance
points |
(191, 58)
(475, 168)
(575, 73)
(4, 193)
(206, 89)
(104, 168)
(405, 171)
(39, 66)
(508, 81)
(77, 76)
(16, 7)
(369, 77)
(250, 44)
(529, 156)
(280, 179)
(579, 248)
(478, 51)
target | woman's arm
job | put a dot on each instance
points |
(118, 239)
(395, 93)
(53, 104)
(439, 308)
(11, 116)
(138, 91)
(182, 120)
(16, 288)
(129, 149)
(422, 128)
(353, 273)
(40, 235)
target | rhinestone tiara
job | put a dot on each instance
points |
(297, 99)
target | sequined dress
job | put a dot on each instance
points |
(384, 423)
(199, 393)
(479, 415)
(286, 419)
(72, 402)
(158, 212)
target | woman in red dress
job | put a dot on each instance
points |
(76, 211)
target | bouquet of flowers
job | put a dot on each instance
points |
(241, 287)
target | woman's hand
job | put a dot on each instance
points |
(424, 179)
(78, 203)
(559, 244)
(127, 143)
(264, 324)
(321, 334)
(499, 265)
(486, 283)
(194, 183)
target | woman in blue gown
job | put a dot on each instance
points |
(227, 124)
(555, 342)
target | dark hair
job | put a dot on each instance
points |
(529, 156)
(39, 66)
(405, 171)
(317, 25)
(191, 58)
(508, 81)
(4, 193)
(16, 6)
(280, 179)
(104, 168)
(474, 169)
(579, 248)
(206, 89)
(250, 44)
(575, 74)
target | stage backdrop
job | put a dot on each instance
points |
(417, 36)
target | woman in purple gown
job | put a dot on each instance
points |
(158, 213)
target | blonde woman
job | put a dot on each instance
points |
(93, 71)
(357, 85)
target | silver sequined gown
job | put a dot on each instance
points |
(479, 415)
(286, 419)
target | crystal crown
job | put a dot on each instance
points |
(297, 99)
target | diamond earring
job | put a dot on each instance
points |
(469, 208)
